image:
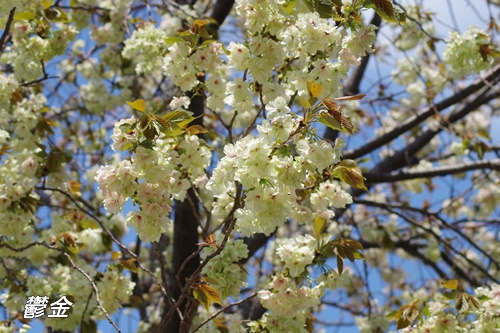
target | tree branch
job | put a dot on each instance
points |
(400, 158)
(417, 119)
(372, 177)
(230, 221)
(44, 77)
(447, 258)
(221, 10)
(427, 214)
(224, 308)
(6, 31)
(411, 249)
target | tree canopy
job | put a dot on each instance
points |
(249, 166)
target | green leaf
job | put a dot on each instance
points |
(174, 122)
(129, 264)
(337, 121)
(387, 10)
(387, 242)
(328, 250)
(144, 121)
(329, 121)
(402, 323)
(115, 255)
(340, 264)
(358, 255)
(480, 148)
(426, 312)
(314, 89)
(349, 172)
(484, 134)
(266, 183)
(450, 294)
(210, 280)
(334, 118)
(180, 117)
(318, 225)
(146, 144)
(353, 244)
(483, 298)
(450, 284)
(138, 104)
(196, 129)
(206, 295)
(391, 314)
(74, 187)
(88, 224)
(57, 15)
(24, 16)
(73, 249)
(170, 128)
(325, 8)
(304, 102)
(184, 33)
(289, 6)
(150, 132)
(172, 40)
(201, 297)
(46, 3)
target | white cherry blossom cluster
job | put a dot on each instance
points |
(182, 64)
(19, 170)
(413, 34)
(462, 52)
(330, 194)
(223, 271)
(28, 48)
(297, 253)
(152, 177)
(288, 303)
(111, 32)
(145, 48)
(478, 313)
(270, 178)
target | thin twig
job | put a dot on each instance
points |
(224, 308)
(445, 170)
(164, 275)
(43, 78)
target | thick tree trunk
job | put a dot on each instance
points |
(186, 238)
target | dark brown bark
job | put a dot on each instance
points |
(185, 242)
(186, 238)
